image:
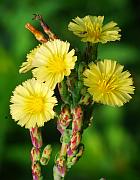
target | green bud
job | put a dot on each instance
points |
(46, 155)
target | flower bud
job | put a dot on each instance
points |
(46, 155)
(36, 137)
(75, 141)
(35, 154)
(61, 165)
(36, 171)
(77, 119)
(64, 119)
(71, 160)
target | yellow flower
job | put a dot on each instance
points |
(52, 61)
(32, 104)
(26, 66)
(108, 83)
(91, 29)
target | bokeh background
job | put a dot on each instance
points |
(113, 141)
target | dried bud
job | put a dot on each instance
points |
(38, 35)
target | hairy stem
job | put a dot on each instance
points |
(91, 52)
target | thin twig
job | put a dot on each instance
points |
(45, 27)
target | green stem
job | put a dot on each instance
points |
(91, 52)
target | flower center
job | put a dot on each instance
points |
(58, 65)
(106, 85)
(93, 30)
(34, 104)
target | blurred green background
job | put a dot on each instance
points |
(113, 141)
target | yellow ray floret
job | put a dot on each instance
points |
(91, 29)
(53, 61)
(26, 66)
(108, 83)
(32, 104)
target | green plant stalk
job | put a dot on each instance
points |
(75, 148)
(71, 148)
(91, 52)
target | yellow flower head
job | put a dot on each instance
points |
(91, 29)
(52, 61)
(26, 66)
(108, 83)
(32, 104)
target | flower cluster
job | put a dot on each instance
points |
(80, 83)
(32, 101)
(52, 60)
